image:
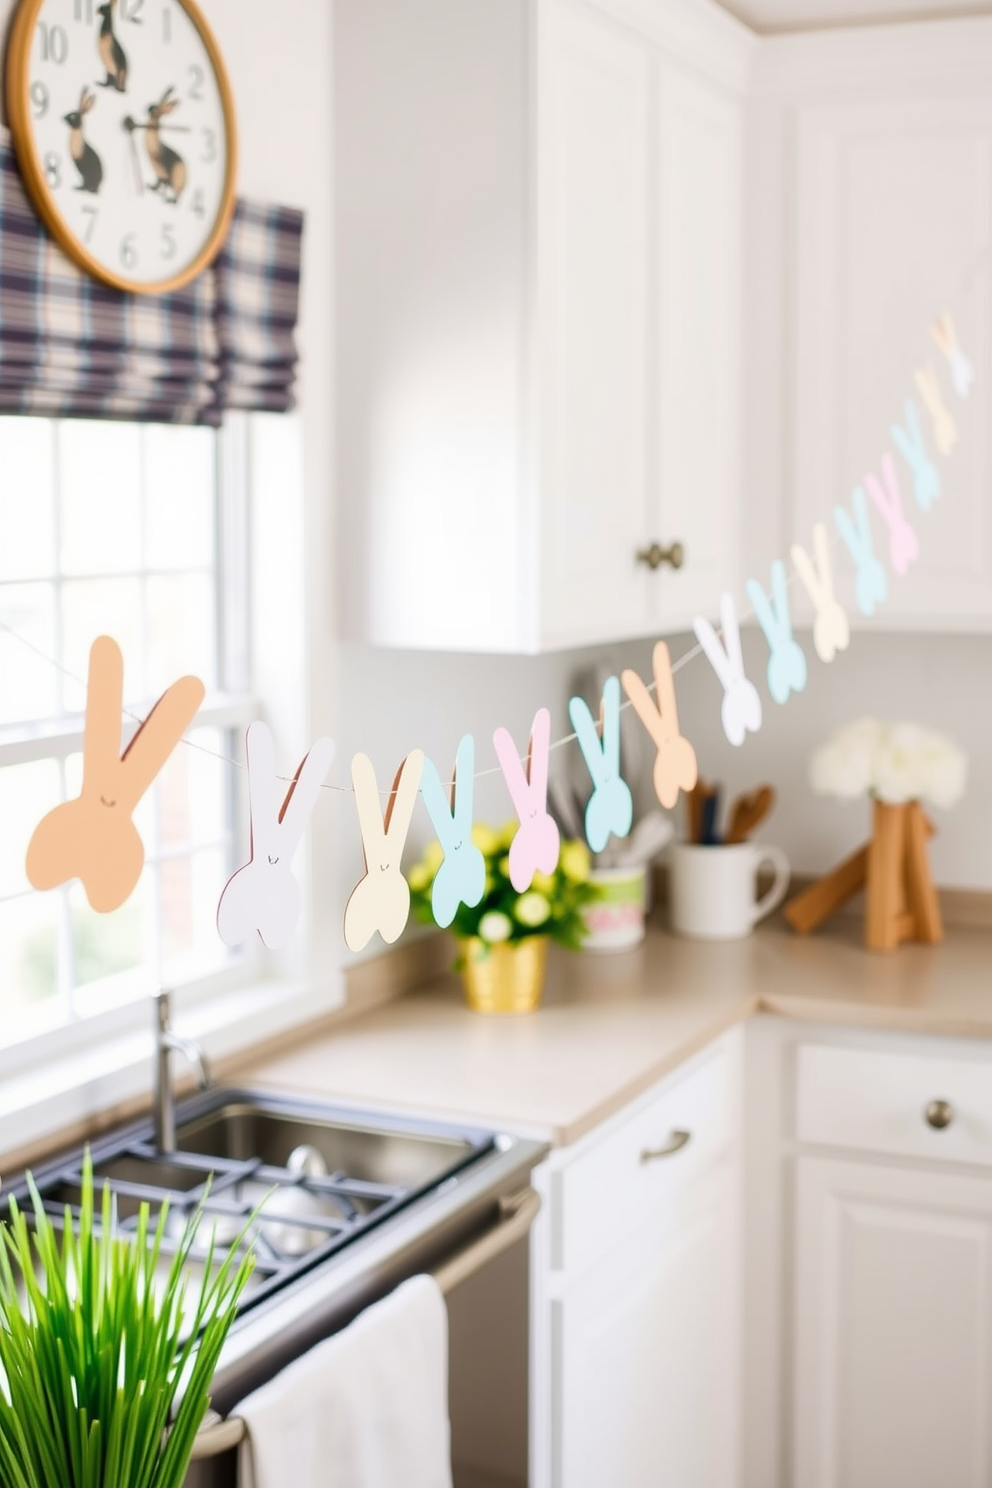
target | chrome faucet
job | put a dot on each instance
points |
(165, 1042)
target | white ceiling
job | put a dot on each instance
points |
(805, 15)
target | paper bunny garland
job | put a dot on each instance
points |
(611, 807)
(263, 896)
(831, 627)
(740, 711)
(536, 846)
(962, 372)
(909, 442)
(904, 545)
(461, 878)
(871, 580)
(93, 838)
(675, 768)
(945, 429)
(381, 901)
(787, 670)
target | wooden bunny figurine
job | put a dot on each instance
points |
(93, 837)
(86, 160)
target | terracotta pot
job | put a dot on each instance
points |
(505, 978)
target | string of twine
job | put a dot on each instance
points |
(348, 790)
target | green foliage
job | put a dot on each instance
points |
(553, 905)
(93, 1360)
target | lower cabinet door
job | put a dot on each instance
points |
(646, 1352)
(893, 1309)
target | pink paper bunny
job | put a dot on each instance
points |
(904, 545)
(536, 846)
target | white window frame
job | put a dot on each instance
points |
(71, 1073)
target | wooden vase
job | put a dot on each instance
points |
(894, 870)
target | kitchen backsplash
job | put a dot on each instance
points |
(391, 702)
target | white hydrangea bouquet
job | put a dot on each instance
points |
(899, 767)
(890, 762)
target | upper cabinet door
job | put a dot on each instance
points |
(696, 489)
(893, 211)
(592, 314)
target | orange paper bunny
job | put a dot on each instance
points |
(93, 837)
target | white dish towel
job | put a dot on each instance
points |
(367, 1408)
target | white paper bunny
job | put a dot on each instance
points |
(264, 896)
(741, 707)
(381, 901)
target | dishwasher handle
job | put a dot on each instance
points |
(517, 1213)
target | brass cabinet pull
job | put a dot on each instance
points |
(678, 1141)
(656, 555)
(939, 1114)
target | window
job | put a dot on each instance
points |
(138, 532)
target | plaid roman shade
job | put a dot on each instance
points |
(71, 347)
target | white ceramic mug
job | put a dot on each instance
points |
(711, 890)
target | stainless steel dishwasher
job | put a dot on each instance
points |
(357, 1203)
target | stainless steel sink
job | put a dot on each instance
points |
(384, 1156)
(305, 1180)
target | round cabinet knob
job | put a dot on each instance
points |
(656, 555)
(938, 1114)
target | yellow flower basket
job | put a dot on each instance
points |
(504, 978)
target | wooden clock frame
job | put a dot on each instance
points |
(17, 85)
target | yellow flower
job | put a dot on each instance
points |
(503, 868)
(575, 861)
(485, 839)
(433, 857)
(532, 909)
(419, 877)
(544, 883)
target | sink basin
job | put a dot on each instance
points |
(387, 1157)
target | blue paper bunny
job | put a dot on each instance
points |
(611, 807)
(787, 669)
(909, 442)
(461, 878)
(872, 580)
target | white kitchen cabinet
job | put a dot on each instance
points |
(870, 207)
(868, 1258)
(539, 286)
(893, 1364)
(636, 1373)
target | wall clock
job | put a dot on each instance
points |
(122, 119)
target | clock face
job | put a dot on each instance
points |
(123, 126)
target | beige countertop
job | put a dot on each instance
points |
(611, 1025)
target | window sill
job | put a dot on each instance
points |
(68, 1095)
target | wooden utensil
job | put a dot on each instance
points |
(747, 812)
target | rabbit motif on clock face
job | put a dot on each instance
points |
(170, 168)
(85, 158)
(112, 54)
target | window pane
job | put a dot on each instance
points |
(27, 793)
(181, 630)
(29, 939)
(104, 945)
(191, 889)
(27, 498)
(180, 487)
(100, 490)
(93, 607)
(29, 684)
(192, 792)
